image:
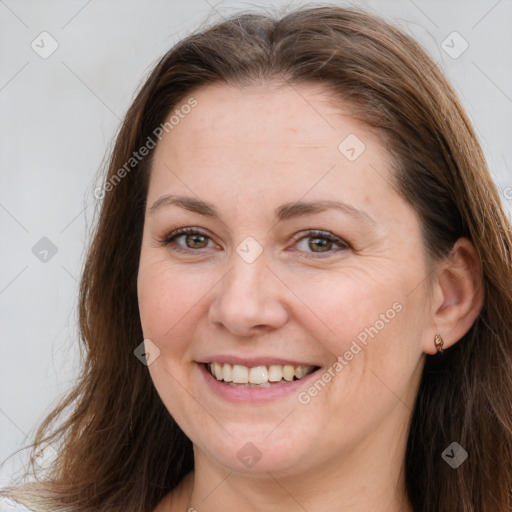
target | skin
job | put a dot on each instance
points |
(247, 151)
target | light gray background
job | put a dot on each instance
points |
(58, 116)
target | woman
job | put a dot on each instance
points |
(299, 293)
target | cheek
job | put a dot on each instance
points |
(167, 298)
(343, 303)
(367, 323)
(169, 302)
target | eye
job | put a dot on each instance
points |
(193, 238)
(321, 240)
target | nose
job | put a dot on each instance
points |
(250, 299)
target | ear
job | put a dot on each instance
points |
(457, 295)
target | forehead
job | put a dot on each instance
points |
(270, 113)
(269, 128)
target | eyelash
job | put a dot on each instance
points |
(314, 233)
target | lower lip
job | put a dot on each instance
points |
(236, 394)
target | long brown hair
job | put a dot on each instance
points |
(119, 448)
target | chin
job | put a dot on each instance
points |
(260, 453)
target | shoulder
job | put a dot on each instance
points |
(8, 505)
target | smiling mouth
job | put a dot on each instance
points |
(258, 376)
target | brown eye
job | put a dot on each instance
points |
(193, 239)
(321, 242)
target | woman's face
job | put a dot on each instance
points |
(251, 286)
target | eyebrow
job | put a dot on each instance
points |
(284, 212)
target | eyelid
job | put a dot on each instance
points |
(184, 231)
(310, 233)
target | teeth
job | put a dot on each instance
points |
(300, 371)
(258, 375)
(275, 373)
(240, 374)
(288, 372)
(227, 372)
(217, 371)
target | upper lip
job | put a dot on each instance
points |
(253, 361)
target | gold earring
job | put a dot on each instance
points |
(438, 342)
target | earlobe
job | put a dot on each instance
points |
(459, 293)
